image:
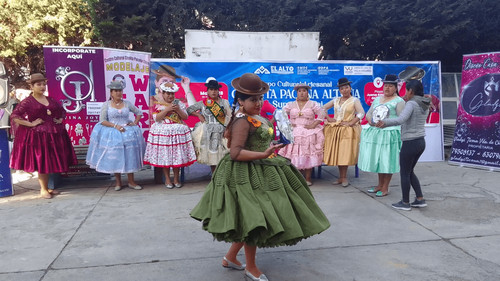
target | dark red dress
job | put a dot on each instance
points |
(45, 148)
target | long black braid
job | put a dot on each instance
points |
(242, 97)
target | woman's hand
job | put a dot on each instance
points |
(310, 126)
(58, 120)
(37, 122)
(167, 108)
(119, 128)
(273, 147)
(175, 107)
(185, 81)
(380, 124)
(330, 119)
(345, 124)
(202, 119)
(131, 124)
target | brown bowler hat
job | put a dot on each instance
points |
(250, 84)
(166, 70)
(35, 77)
(302, 85)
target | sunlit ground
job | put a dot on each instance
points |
(25, 187)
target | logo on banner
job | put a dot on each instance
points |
(302, 70)
(262, 70)
(358, 70)
(77, 80)
(481, 97)
(282, 69)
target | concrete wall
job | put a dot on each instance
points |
(234, 45)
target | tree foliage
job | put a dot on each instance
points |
(27, 25)
(349, 29)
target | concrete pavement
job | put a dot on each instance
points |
(91, 232)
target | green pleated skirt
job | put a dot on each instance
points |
(265, 203)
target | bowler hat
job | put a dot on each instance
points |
(166, 70)
(411, 72)
(116, 85)
(390, 79)
(169, 87)
(250, 84)
(302, 85)
(36, 77)
(343, 81)
(212, 84)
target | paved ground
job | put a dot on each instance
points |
(91, 232)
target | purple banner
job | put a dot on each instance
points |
(75, 76)
(477, 133)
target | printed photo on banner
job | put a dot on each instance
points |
(477, 133)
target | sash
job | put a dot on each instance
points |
(172, 117)
(216, 110)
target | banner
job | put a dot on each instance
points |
(5, 173)
(477, 132)
(132, 69)
(322, 76)
(77, 77)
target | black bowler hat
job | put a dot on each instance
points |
(212, 84)
(391, 79)
(412, 72)
(343, 81)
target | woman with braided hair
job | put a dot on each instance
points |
(256, 198)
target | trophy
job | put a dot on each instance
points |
(284, 127)
(380, 113)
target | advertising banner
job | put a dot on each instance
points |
(5, 176)
(77, 77)
(477, 133)
(322, 76)
(132, 69)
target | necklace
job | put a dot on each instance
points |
(118, 103)
(301, 106)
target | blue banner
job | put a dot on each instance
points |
(5, 176)
(322, 76)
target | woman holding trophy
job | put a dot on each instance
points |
(379, 147)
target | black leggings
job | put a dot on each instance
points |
(408, 158)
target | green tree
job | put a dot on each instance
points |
(27, 25)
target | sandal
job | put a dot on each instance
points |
(54, 192)
(373, 190)
(232, 265)
(381, 194)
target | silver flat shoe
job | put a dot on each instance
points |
(169, 186)
(262, 277)
(118, 188)
(233, 265)
(136, 187)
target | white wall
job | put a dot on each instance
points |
(235, 45)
